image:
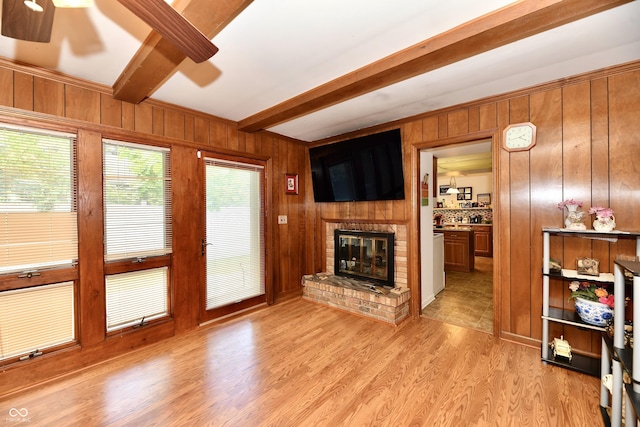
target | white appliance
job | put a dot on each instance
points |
(438, 263)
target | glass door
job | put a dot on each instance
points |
(233, 246)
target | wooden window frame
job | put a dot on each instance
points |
(132, 263)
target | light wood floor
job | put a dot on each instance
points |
(302, 364)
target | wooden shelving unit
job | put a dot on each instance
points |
(615, 358)
(619, 359)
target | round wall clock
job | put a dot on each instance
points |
(519, 137)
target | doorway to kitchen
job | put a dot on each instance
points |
(460, 221)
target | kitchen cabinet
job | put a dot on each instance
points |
(459, 249)
(483, 239)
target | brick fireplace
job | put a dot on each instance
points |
(400, 248)
(362, 298)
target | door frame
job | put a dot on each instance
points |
(251, 303)
(414, 242)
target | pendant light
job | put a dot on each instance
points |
(453, 188)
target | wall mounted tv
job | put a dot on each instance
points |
(361, 169)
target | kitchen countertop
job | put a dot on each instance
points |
(461, 225)
(452, 228)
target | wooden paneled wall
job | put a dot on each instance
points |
(40, 99)
(588, 148)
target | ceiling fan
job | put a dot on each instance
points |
(32, 20)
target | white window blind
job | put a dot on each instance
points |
(235, 232)
(36, 318)
(136, 297)
(38, 219)
(137, 205)
(137, 198)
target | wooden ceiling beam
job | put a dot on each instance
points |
(506, 25)
(170, 23)
(158, 59)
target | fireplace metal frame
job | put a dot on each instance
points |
(359, 273)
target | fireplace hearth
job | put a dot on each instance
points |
(363, 296)
(357, 297)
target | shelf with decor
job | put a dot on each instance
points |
(620, 356)
(581, 363)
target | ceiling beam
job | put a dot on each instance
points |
(158, 59)
(170, 23)
(506, 25)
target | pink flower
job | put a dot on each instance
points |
(601, 212)
(569, 202)
(609, 300)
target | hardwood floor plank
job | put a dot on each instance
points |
(302, 364)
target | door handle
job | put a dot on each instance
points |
(204, 244)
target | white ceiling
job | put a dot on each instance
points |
(464, 159)
(277, 49)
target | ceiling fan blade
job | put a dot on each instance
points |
(20, 22)
(164, 19)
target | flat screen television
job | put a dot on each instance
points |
(367, 168)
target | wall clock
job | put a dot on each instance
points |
(519, 137)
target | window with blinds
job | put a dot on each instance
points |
(136, 297)
(38, 235)
(235, 232)
(137, 197)
(37, 318)
(137, 210)
(38, 218)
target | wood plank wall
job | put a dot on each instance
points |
(588, 148)
(37, 98)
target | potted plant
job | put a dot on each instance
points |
(594, 304)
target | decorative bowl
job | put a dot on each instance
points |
(593, 312)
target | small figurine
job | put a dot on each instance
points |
(561, 348)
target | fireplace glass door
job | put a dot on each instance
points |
(365, 255)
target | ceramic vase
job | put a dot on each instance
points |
(604, 223)
(575, 218)
(593, 312)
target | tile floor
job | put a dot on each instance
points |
(467, 299)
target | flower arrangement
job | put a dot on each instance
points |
(575, 218)
(591, 292)
(569, 202)
(605, 221)
(601, 212)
